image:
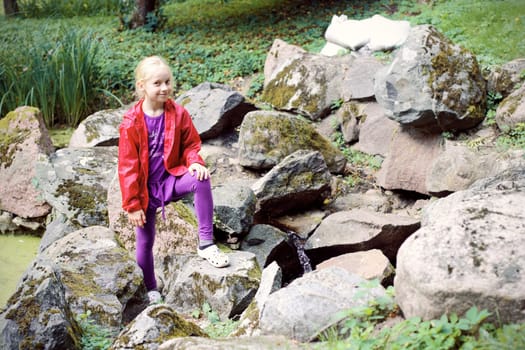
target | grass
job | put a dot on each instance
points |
(212, 40)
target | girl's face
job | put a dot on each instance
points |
(158, 86)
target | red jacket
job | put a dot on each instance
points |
(181, 146)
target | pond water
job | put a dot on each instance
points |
(16, 253)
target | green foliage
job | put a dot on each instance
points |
(256, 86)
(355, 157)
(66, 8)
(514, 138)
(359, 331)
(216, 327)
(59, 78)
(493, 100)
(94, 337)
(210, 40)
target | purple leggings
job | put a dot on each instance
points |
(178, 187)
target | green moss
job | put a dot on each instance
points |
(443, 74)
(185, 101)
(280, 94)
(180, 327)
(92, 132)
(279, 138)
(10, 139)
(61, 136)
(185, 213)
(80, 196)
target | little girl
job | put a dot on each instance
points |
(159, 162)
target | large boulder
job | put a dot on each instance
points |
(214, 108)
(409, 161)
(310, 303)
(357, 230)
(432, 84)
(84, 275)
(37, 316)
(189, 282)
(23, 140)
(299, 181)
(153, 326)
(98, 129)
(75, 182)
(468, 252)
(98, 275)
(267, 137)
(309, 84)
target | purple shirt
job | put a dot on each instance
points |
(157, 172)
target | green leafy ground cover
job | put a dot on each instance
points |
(218, 41)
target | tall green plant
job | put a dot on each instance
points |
(74, 67)
(58, 78)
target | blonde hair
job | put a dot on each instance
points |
(144, 70)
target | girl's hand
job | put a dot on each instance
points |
(202, 172)
(137, 218)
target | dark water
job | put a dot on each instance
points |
(16, 253)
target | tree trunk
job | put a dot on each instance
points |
(143, 8)
(10, 8)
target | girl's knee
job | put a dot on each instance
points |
(202, 185)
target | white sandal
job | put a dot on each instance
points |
(214, 256)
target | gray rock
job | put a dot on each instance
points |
(99, 129)
(511, 111)
(407, 165)
(309, 83)
(267, 137)
(432, 84)
(23, 140)
(75, 181)
(58, 227)
(97, 274)
(271, 281)
(37, 315)
(190, 281)
(266, 242)
(300, 180)
(361, 229)
(86, 273)
(214, 108)
(506, 78)
(310, 303)
(459, 166)
(234, 207)
(467, 253)
(152, 327)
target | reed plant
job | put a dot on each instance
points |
(58, 78)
